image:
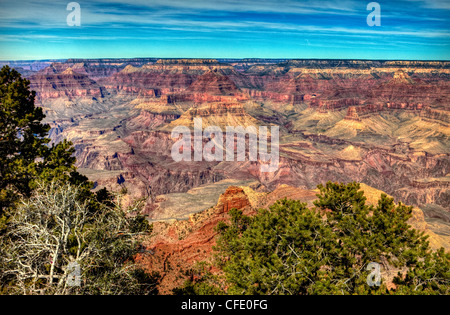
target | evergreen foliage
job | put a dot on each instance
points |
(290, 249)
(25, 153)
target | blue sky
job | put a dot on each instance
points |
(410, 29)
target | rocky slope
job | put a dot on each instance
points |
(67, 84)
(162, 77)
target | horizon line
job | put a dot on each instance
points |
(219, 58)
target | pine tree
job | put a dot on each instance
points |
(25, 156)
(22, 136)
(290, 249)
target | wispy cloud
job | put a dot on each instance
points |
(433, 4)
(207, 22)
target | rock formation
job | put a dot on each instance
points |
(67, 84)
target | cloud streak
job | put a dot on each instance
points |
(270, 24)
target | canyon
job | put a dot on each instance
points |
(385, 124)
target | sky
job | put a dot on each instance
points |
(409, 30)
